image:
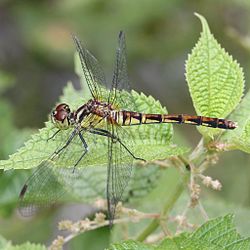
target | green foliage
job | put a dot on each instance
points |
(6, 245)
(216, 84)
(218, 233)
(215, 80)
(222, 233)
(10, 185)
(130, 244)
(28, 246)
(243, 141)
(241, 114)
(239, 138)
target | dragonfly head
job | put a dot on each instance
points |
(61, 117)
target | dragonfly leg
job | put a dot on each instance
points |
(68, 142)
(85, 145)
(136, 158)
(103, 132)
(51, 137)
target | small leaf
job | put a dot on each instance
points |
(242, 141)
(215, 234)
(239, 138)
(215, 80)
(242, 113)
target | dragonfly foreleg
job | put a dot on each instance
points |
(67, 143)
(103, 132)
(51, 137)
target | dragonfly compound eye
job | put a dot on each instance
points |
(60, 116)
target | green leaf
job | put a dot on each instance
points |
(242, 141)
(184, 242)
(6, 245)
(28, 246)
(239, 138)
(215, 80)
(215, 234)
(219, 231)
(130, 244)
(241, 114)
(216, 207)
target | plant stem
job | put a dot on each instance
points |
(166, 209)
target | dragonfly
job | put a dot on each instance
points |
(105, 115)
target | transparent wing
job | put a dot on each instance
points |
(120, 92)
(92, 70)
(120, 163)
(44, 187)
(53, 177)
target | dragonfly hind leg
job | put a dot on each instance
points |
(103, 132)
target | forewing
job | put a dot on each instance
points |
(120, 163)
(92, 71)
(120, 92)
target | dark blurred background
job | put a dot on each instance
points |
(36, 62)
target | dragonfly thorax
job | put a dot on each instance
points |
(62, 117)
(92, 107)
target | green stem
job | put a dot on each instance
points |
(166, 209)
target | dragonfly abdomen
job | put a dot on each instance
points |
(200, 121)
(128, 118)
